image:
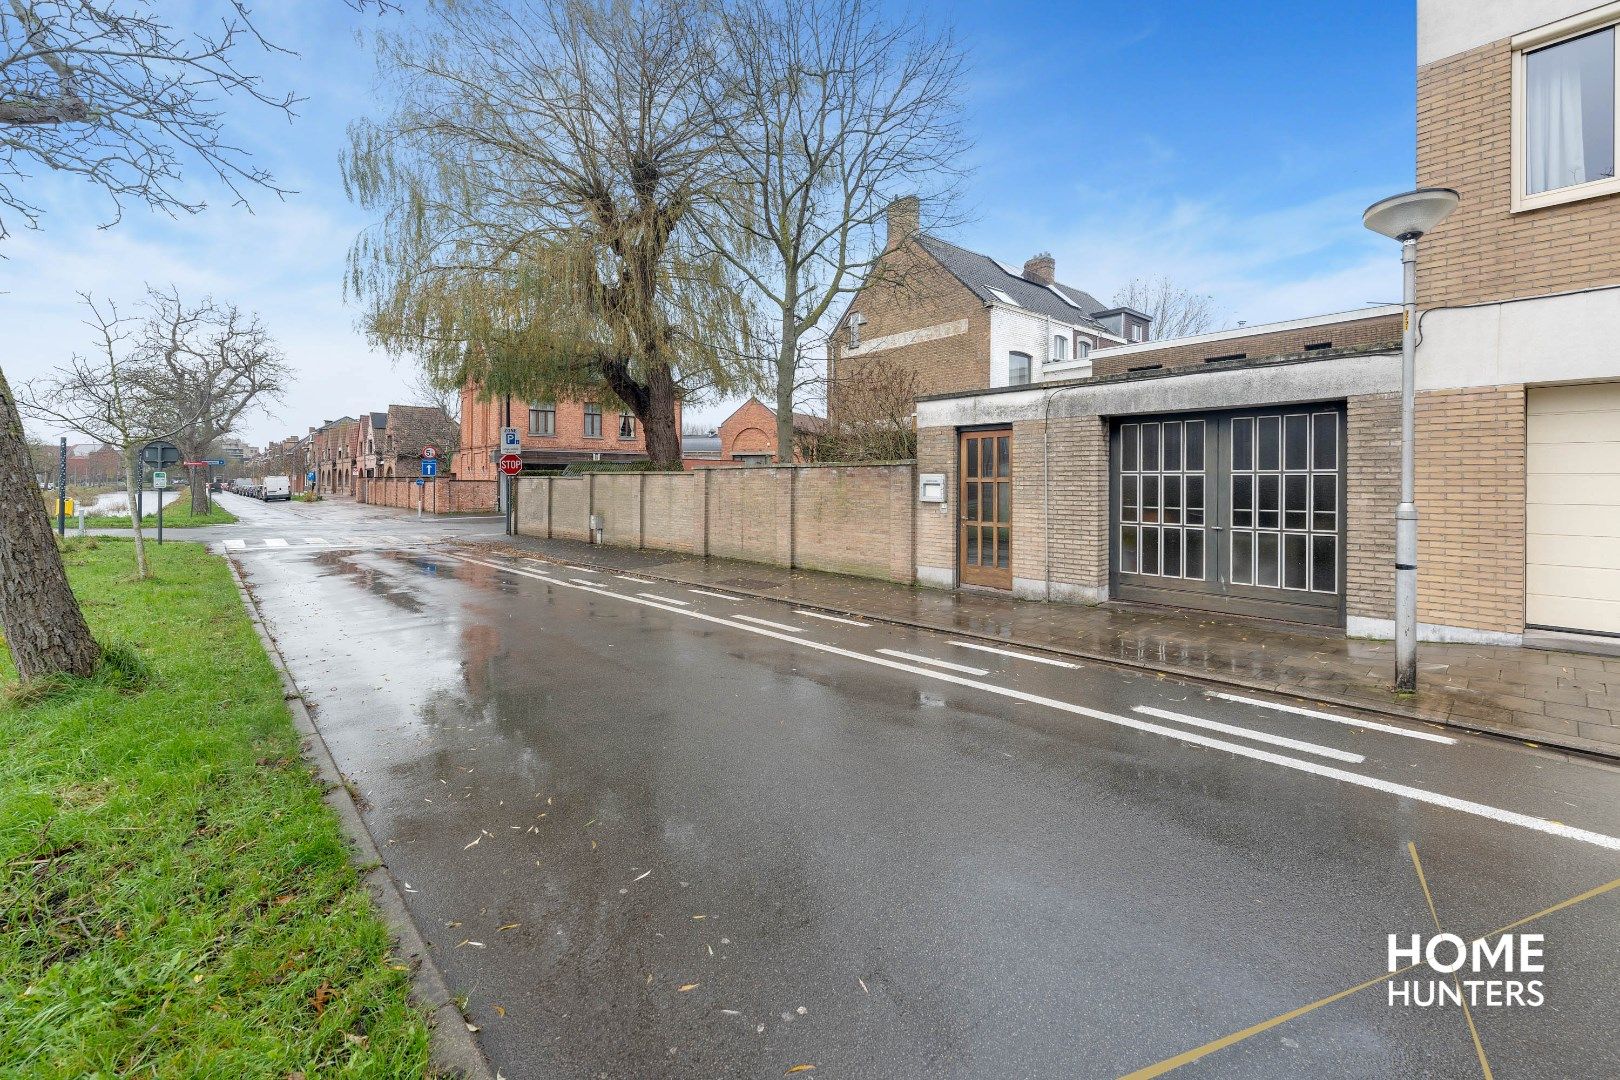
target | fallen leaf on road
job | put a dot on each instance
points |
(473, 844)
(638, 877)
(471, 1027)
(700, 916)
(799, 1069)
(500, 1010)
(863, 985)
(508, 926)
(689, 986)
(470, 941)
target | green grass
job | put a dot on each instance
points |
(175, 899)
(177, 515)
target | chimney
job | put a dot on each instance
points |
(1042, 269)
(905, 220)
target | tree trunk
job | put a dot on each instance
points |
(787, 374)
(131, 486)
(663, 437)
(39, 615)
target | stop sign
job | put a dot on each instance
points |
(511, 464)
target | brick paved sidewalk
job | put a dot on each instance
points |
(1564, 699)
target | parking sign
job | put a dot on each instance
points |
(510, 444)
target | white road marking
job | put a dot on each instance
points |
(937, 663)
(587, 584)
(390, 539)
(315, 541)
(1371, 725)
(665, 599)
(784, 627)
(1249, 733)
(830, 618)
(1014, 655)
(715, 595)
(352, 539)
(235, 545)
(275, 542)
(1432, 798)
(637, 580)
(580, 569)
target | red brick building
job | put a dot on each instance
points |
(554, 434)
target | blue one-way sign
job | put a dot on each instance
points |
(430, 468)
(216, 462)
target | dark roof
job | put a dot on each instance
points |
(700, 445)
(415, 426)
(809, 423)
(981, 274)
(379, 420)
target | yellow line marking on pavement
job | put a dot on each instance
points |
(1434, 913)
(1190, 1056)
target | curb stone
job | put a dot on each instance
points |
(1560, 746)
(452, 1049)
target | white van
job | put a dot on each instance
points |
(276, 487)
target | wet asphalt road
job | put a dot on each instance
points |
(648, 837)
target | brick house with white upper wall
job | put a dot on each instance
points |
(1255, 471)
(949, 319)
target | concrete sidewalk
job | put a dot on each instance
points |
(1545, 697)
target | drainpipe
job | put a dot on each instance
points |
(1046, 475)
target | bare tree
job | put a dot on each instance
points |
(426, 390)
(107, 396)
(831, 111)
(535, 184)
(1176, 312)
(871, 415)
(113, 93)
(206, 365)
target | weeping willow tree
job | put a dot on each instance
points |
(534, 188)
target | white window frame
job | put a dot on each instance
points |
(1029, 371)
(1575, 26)
(1060, 348)
(1082, 348)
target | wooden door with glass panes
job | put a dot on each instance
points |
(984, 508)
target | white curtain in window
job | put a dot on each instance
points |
(1554, 153)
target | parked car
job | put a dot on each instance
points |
(275, 489)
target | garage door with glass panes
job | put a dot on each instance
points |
(1241, 512)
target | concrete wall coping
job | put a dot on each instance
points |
(1274, 382)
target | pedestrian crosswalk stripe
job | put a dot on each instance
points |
(275, 541)
(235, 545)
(315, 540)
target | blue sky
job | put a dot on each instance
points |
(1230, 147)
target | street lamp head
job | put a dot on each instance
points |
(1409, 216)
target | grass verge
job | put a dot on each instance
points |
(177, 515)
(175, 898)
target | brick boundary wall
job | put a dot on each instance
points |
(844, 519)
(453, 496)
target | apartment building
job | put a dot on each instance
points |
(1255, 471)
(1518, 368)
(554, 433)
(932, 317)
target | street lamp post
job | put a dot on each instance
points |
(1405, 218)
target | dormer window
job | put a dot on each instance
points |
(1136, 331)
(1564, 122)
(1060, 348)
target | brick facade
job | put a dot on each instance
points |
(439, 496)
(1471, 494)
(483, 417)
(1484, 251)
(908, 292)
(1376, 332)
